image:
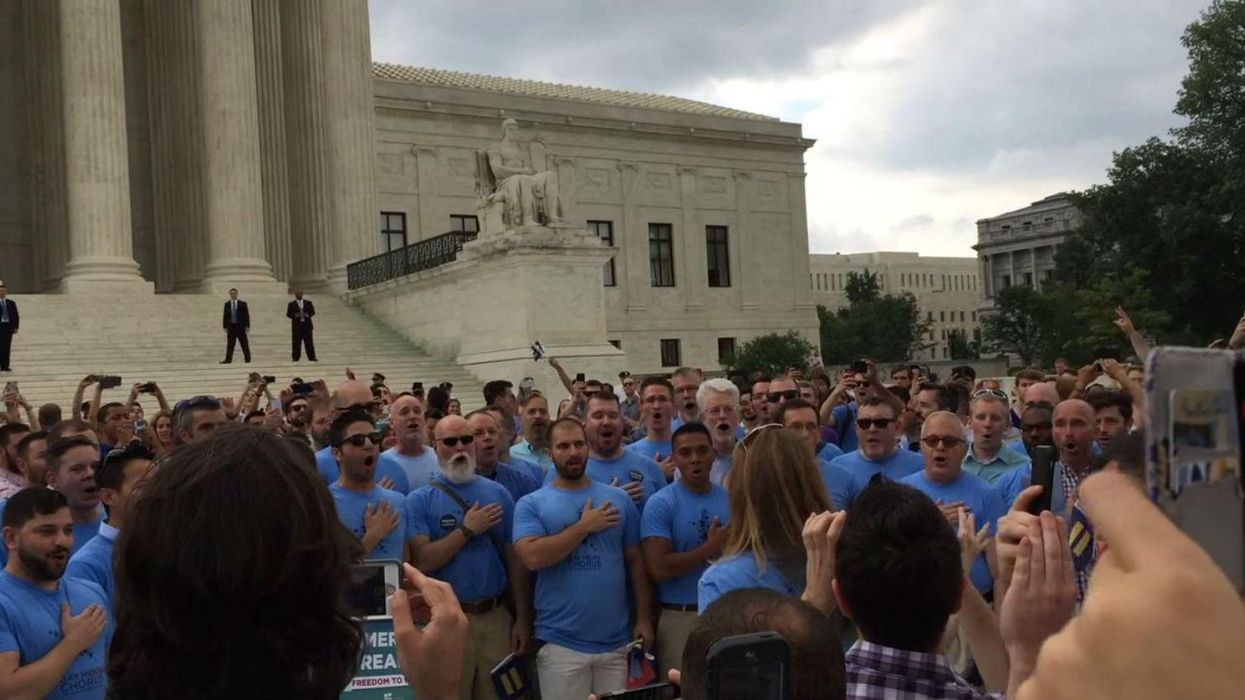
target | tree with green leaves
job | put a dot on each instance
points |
(885, 328)
(959, 347)
(772, 354)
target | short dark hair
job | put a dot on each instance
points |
(184, 412)
(687, 429)
(560, 422)
(57, 449)
(898, 568)
(102, 413)
(874, 401)
(69, 425)
(337, 431)
(602, 396)
(111, 472)
(49, 414)
(24, 505)
(23, 445)
(817, 667)
(8, 430)
(531, 396)
(1111, 397)
(965, 371)
(656, 381)
(793, 405)
(496, 389)
(1033, 374)
(943, 396)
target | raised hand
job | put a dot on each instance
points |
(634, 489)
(81, 631)
(430, 657)
(972, 541)
(715, 539)
(1123, 322)
(820, 535)
(1237, 341)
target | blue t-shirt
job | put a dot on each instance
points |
(740, 571)
(838, 483)
(417, 471)
(326, 464)
(678, 514)
(979, 497)
(30, 624)
(516, 482)
(528, 467)
(861, 470)
(93, 561)
(478, 571)
(352, 508)
(845, 424)
(654, 450)
(82, 533)
(628, 467)
(829, 451)
(581, 602)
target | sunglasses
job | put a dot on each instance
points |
(868, 423)
(947, 441)
(453, 441)
(776, 396)
(360, 439)
(990, 392)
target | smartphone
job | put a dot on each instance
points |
(269, 379)
(750, 667)
(372, 587)
(300, 389)
(417, 387)
(109, 381)
(1043, 475)
(580, 377)
(147, 387)
(657, 691)
(140, 425)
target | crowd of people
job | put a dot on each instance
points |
(882, 527)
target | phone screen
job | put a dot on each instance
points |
(371, 586)
(749, 667)
(1044, 476)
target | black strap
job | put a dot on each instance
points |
(458, 500)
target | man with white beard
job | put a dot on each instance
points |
(461, 534)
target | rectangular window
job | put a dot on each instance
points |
(661, 256)
(464, 223)
(942, 316)
(718, 256)
(726, 351)
(393, 230)
(974, 317)
(929, 316)
(670, 355)
(605, 231)
(1007, 281)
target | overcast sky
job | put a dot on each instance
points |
(928, 114)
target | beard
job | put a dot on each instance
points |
(460, 468)
(44, 567)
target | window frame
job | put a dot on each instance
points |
(661, 255)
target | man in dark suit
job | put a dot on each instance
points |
(300, 312)
(237, 321)
(9, 321)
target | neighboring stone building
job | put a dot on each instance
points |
(947, 290)
(1019, 247)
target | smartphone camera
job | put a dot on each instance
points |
(371, 586)
(269, 379)
(109, 381)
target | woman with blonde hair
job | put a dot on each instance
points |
(774, 487)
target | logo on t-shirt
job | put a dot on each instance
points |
(637, 476)
(448, 522)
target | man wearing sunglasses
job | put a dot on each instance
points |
(460, 527)
(943, 479)
(877, 425)
(989, 458)
(120, 479)
(376, 516)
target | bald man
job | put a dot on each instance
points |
(349, 397)
(943, 446)
(411, 455)
(1073, 432)
(1041, 392)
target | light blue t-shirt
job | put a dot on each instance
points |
(829, 451)
(526, 466)
(352, 509)
(845, 425)
(477, 572)
(740, 571)
(524, 450)
(678, 514)
(30, 624)
(326, 464)
(517, 482)
(82, 533)
(628, 467)
(1004, 461)
(654, 450)
(417, 471)
(581, 602)
(861, 470)
(93, 562)
(979, 497)
(838, 483)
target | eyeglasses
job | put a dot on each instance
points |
(360, 439)
(990, 392)
(948, 441)
(453, 441)
(869, 423)
(776, 396)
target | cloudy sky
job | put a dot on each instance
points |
(928, 114)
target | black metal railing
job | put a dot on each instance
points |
(416, 257)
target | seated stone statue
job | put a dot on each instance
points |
(508, 176)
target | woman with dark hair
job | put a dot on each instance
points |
(230, 582)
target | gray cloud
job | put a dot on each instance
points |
(916, 221)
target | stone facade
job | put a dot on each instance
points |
(947, 290)
(1019, 247)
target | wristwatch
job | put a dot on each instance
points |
(467, 533)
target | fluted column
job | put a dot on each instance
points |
(351, 136)
(48, 216)
(233, 197)
(187, 225)
(96, 157)
(267, 20)
(692, 249)
(749, 284)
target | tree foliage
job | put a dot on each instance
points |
(772, 354)
(886, 328)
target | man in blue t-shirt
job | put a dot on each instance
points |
(800, 417)
(505, 441)
(484, 429)
(54, 631)
(950, 487)
(877, 426)
(377, 516)
(686, 383)
(582, 538)
(656, 412)
(683, 528)
(461, 534)
(608, 462)
(354, 396)
(119, 480)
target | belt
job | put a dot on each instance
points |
(690, 607)
(481, 606)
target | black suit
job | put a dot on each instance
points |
(301, 328)
(7, 308)
(235, 329)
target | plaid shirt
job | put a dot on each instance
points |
(1080, 534)
(875, 672)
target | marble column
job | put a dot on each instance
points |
(48, 214)
(351, 134)
(266, 16)
(233, 197)
(96, 156)
(156, 16)
(750, 295)
(634, 235)
(694, 267)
